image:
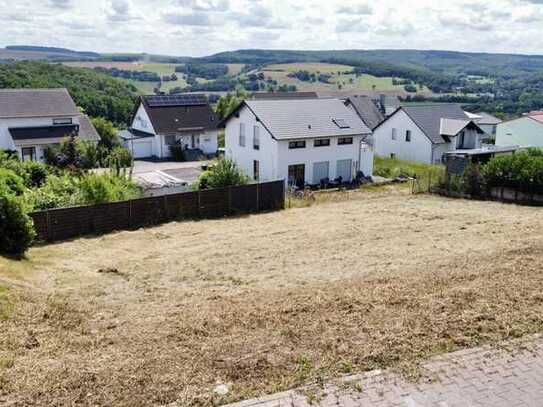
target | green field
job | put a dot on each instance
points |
(340, 79)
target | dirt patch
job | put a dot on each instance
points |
(269, 302)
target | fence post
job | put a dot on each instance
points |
(229, 199)
(130, 214)
(49, 229)
(165, 202)
(199, 205)
(258, 197)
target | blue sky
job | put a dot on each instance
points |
(202, 27)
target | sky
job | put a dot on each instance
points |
(204, 27)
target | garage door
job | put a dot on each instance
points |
(142, 148)
(320, 171)
(344, 169)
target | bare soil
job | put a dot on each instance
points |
(263, 303)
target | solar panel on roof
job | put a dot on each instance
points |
(176, 100)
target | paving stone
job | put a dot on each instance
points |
(480, 377)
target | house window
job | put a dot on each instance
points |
(345, 140)
(256, 138)
(62, 121)
(296, 144)
(28, 153)
(323, 142)
(394, 134)
(296, 175)
(169, 140)
(242, 134)
(256, 170)
(408, 136)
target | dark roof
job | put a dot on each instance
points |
(284, 95)
(36, 103)
(32, 133)
(428, 118)
(188, 113)
(87, 130)
(367, 110)
(133, 134)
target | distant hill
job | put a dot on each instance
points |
(52, 50)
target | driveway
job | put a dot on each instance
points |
(479, 377)
(141, 166)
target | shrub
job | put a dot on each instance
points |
(36, 174)
(16, 226)
(119, 158)
(223, 174)
(108, 133)
(10, 182)
(96, 189)
(473, 182)
(522, 171)
(56, 192)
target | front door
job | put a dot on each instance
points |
(296, 175)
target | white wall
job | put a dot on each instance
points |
(208, 142)
(418, 149)
(310, 155)
(522, 132)
(244, 156)
(275, 156)
(7, 143)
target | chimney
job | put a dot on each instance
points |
(382, 99)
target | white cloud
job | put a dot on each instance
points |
(202, 27)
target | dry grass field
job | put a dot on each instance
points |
(263, 303)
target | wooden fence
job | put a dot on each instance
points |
(65, 223)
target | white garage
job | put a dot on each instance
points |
(140, 145)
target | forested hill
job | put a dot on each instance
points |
(98, 94)
(446, 62)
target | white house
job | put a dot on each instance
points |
(32, 119)
(425, 132)
(159, 122)
(485, 121)
(304, 141)
(524, 131)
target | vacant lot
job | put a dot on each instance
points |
(263, 303)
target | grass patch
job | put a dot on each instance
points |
(280, 300)
(6, 306)
(426, 175)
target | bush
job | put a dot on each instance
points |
(96, 189)
(10, 182)
(119, 158)
(16, 226)
(224, 173)
(522, 171)
(32, 173)
(56, 192)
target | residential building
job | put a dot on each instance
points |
(304, 141)
(425, 132)
(524, 131)
(386, 102)
(159, 122)
(485, 121)
(366, 109)
(32, 119)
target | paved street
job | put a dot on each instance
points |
(470, 378)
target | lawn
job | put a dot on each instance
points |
(267, 302)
